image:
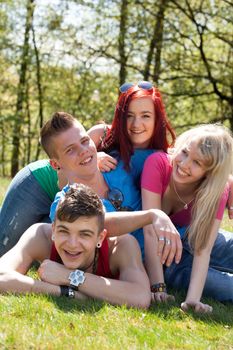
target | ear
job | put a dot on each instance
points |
(54, 164)
(102, 236)
(53, 230)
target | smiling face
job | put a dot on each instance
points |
(188, 165)
(141, 121)
(75, 153)
(76, 241)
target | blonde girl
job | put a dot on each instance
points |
(189, 185)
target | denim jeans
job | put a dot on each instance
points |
(25, 203)
(219, 280)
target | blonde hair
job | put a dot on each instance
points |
(215, 144)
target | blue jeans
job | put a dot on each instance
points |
(25, 203)
(219, 281)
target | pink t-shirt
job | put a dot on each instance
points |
(155, 178)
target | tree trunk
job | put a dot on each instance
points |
(40, 91)
(122, 34)
(29, 131)
(19, 118)
(3, 144)
(156, 43)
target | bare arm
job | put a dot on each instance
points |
(105, 161)
(118, 223)
(33, 245)
(164, 229)
(198, 276)
(97, 132)
(131, 289)
(153, 263)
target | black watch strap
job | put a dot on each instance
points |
(67, 292)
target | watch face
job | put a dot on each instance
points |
(76, 278)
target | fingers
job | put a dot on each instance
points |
(171, 255)
(170, 247)
(161, 297)
(179, 249)
(107, 163)
(161, 242)
(197, 307)
(168, 250)
(184, 306)
(203, 308)
(106, 167)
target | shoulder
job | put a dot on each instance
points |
(34, 245)
(123, 250)
(158, 161)
(40, 165)
(123, 242)
(37, 239)
(158, 156)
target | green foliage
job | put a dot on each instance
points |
(79, 62)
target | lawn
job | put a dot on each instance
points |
(44, 322)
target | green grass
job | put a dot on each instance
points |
(44, 322)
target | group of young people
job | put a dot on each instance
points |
(182, 187)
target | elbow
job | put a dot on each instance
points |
(143, 301)
(147, 301)
(4, 276)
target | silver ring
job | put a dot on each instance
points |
(167, 241)
(161, 239)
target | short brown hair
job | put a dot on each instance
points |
(80, 200)
(58, 123)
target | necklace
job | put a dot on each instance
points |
(185, 204)
(93, 263)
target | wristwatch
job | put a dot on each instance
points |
(76, 278)
(67, 292)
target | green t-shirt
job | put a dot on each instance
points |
(46, 176)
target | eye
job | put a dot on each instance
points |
(85, 234)
(197, 162)
(184, 151)
(146, 116)
(69, 150)
(63, 232)
(85, 140)
(129, 116)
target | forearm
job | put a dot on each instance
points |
(15, 282)
(153, 265)
(115, 292)
(198, 277)
(118, 223)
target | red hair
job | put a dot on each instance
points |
(117, 137)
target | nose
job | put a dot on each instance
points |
(136, 122)
(73, 241)
(82, 150)
(185, 162)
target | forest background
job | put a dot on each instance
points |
(73, 56)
